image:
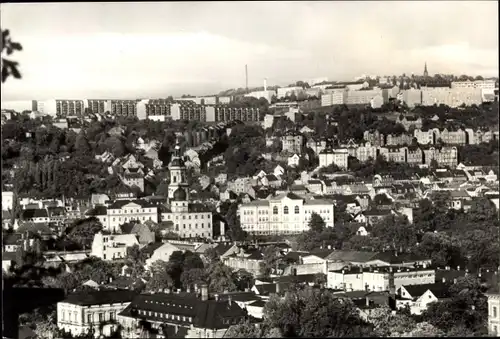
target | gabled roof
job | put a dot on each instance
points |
(352, 256)
(118, 204)
(439, 290)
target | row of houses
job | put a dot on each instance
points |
(432, 136)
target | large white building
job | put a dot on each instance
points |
(452, 97)
(334, 97)
(330, 156)
(123, 211)
(190, 220)
(482, 84)
(262, 94)
(80, 312)
(286, 213)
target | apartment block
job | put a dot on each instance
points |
(412, 97)
(219, 113)
(288, 91)
(364, 97)
(394, 153)
(188, 110)
(481, 84)
(452, 97)
(66, 108)
(336, 97)
(124, 108)
(98, 106)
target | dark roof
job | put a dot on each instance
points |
(150, 248)
(12, 238)
(302, 278)
(439, 290)
(120, 203)
(376, 212)
(220, 249)
(56, 211)
(100, 297)
(271, 177)
(34, 213)
(125, 283)
(238, 296)
(321, 253)
(391, 257)
(10, 256)
(206, 314)
(180, 195)
(197, 208)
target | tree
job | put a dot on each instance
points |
(9, 67)
(271, 258)
(82, 231)
(193, 276)
(82, 145)
(211, 255)
(135, 254)
(314, 313)
(160, 279)
(244, 329)
(316, 223)
(220, 278)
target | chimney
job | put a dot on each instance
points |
(189, 289)
(110, 279)
(265, 84)
(216, 296)
(204, 292)
(455, 280)
(444, 280)
(458, 268)
(367, 302)
(229, 300)
(278, 290)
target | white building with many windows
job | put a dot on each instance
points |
(80, 312)
(286, 213)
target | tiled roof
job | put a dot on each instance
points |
(34, 213)
(120, 203)
(205, 314)
(150, 248)
(352, 256)
(99, 297)
(197, 208)
(439, 290)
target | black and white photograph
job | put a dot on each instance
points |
(241, 169)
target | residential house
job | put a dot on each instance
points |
(366, 152)
(112, 246)
(493, 311)
(293, 161)
(249, 259)
(399, 139)
(418, 297)
(293, 142)
(375, 138)
(35, 215)
(375, 215)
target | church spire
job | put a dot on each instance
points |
(425, 70)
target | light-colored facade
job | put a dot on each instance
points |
(188, 110)
(262, 94)
(283, 214)
(112, 246)
(7, 200)
(394, 153)
(334, 97)
(452, 97)
(123, 211)
(493, 313)
(375, 138)
(284, 92)
(401, 139)
(432, 136)
(329, 156)
(78, 318)
(190, 220)
(412, 97)
(220, 113)
(124, 108)
(444, 156)
(364, 97)
(366, 151)
(377, 279)
(292, 142)
(481, 84)
(98, 106)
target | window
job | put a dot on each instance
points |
(296, 209)
(112, 316)
(494, 312)
(101, 317)
(62, 316)
(89, 318)
(285, 210)
(69, 316)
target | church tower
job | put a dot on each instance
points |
(426, 74)
(178, 187)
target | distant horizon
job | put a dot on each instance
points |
(85, 50)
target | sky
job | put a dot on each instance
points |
(148, 50)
